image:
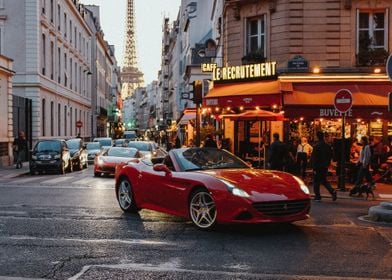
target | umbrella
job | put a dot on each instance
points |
(256, 115)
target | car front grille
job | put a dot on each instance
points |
(282, 208)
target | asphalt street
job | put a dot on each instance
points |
(70, 227)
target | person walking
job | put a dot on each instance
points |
(278, 153)
(210, 142)
(19, 147)
(321, 159)
(364, 161)
(304, 150)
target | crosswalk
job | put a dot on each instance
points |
(68, 180)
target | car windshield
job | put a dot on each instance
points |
(93, 146)
(105, 142)
(141, 146)
(73, 144)
(122, 152)
(206, 158)
(48, 146)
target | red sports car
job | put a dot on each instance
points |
(211, 186)
(106, 161)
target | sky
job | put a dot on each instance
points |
(149, 20)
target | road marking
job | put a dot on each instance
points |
(84, 181)
(173, 266)
(56, 180)
(28, 179)
(98, 241)
(385, 196)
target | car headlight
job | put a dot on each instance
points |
(302, 185)
(56, 156)
(100, 161)
(234, 189)
(33, 157)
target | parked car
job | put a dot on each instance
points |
(50, 155)
(78, 152)
(121, 142)
(106, 161)
(106, 142)
(146, 148)
(93, 148)
(130, 135)
(211, 186)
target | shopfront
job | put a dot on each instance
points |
(309, 107)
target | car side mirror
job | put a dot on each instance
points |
(159, 167)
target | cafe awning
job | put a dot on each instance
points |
(247, 94)
(188, 115)
(313, 99)
(255, 115)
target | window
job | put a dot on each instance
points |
(43, 4)
(43, 57)
(65, 120)
(58, 17)
(51, 60)
(43, 117)
(70, 31)
(70, 73)
(51, 118)
(76, 119)
(59, 120)
(65, 72)
(256, 37)
(59, 65)
(65, 25)
(372, 34)
(51, 11)
(70, 121)
(75, 33)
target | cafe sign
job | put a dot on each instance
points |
(266, 70)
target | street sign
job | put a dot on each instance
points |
(343, 100)
(388, 67)
(79, 124)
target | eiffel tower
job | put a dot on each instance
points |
(131, 76)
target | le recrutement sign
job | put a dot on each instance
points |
(266, 70)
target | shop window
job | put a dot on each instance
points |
(255, 40)
(376, 128)
(43, 117)
(372, 34)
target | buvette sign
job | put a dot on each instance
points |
(343, 100)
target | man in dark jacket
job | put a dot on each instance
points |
(210, 142)
(278, 153)
(321, 158)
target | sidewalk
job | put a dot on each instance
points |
(12, 172)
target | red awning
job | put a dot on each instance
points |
(250, 94)
(316, 100)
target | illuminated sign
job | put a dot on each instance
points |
(208, 67)
(244, 72)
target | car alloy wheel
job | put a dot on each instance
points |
(125, 196)
(202, 209)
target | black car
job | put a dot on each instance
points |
(78, 152)
(50, 155)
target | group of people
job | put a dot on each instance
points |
(369, 156)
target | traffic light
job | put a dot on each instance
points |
(390, 102)
(197, 91)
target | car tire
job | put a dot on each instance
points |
(97, 174)
(32, 172)
(125, 196)
(202, 209)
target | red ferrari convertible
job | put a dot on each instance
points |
(211, 186)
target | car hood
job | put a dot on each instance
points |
(261, 183)
(110, 159)
(93, 152)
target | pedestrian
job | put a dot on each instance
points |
(209, 142)
(321, 159)
(19, 148)
(304, 151)
(364, 163)
(278, 153)
(191, 143)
